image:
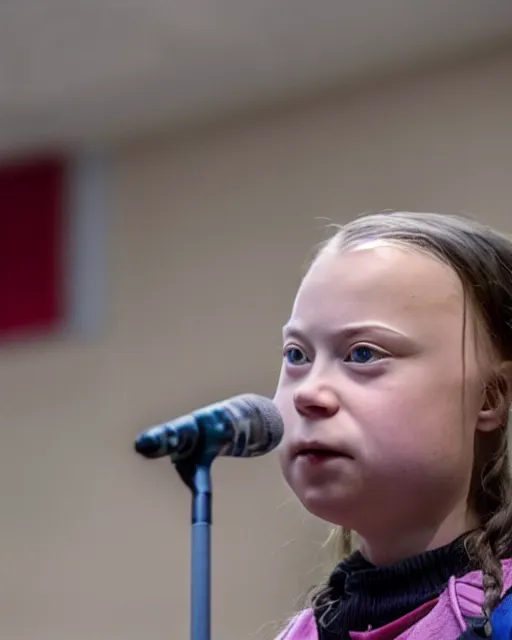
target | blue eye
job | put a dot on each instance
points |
(363, 354)
(296, 356)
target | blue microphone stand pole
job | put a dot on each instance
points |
(197, 476)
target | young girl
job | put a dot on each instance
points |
(395, 394)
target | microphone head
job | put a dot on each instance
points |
(267, 436)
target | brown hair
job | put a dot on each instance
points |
(482, 258)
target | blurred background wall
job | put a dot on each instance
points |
(207, 230)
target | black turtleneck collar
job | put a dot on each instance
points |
(367, 596)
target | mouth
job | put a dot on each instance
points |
(318, 451)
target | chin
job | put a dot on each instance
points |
(337, 510)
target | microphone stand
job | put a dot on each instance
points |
(202, 438)
(196, 474)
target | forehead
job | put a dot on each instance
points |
(384, 283)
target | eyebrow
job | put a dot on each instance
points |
(348, 331)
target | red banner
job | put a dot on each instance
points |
(32, 233)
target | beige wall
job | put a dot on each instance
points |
(208, 241)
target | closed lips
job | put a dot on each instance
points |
(318, 449)
(319, 452)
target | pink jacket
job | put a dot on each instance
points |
(441, 618)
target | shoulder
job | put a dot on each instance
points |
(467, 595)
(459, 608)
(301, 627)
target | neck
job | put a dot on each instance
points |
(385, 548)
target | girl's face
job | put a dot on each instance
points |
(379, 402)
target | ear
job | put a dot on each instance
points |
(497, 400)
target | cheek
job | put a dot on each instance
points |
(417, 428)
(283, 399)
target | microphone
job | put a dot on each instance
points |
(245, 426)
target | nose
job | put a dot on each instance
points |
(316, 401)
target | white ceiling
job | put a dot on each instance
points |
(79, 68)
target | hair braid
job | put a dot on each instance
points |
(489, 544)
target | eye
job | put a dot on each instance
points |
(364, 354)
(295, 356)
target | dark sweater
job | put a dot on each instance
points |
(368, 596)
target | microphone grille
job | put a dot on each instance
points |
(270, 420)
